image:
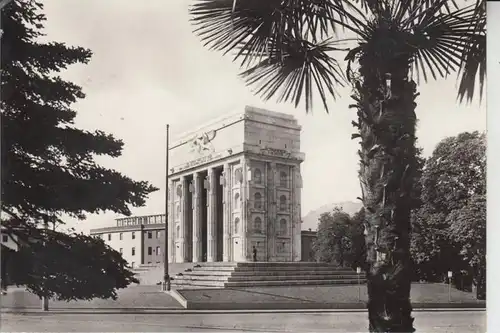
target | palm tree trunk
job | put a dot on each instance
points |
(386, 123)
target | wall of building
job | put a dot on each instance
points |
(308, 238)
(241, 144)
(155, 244)
(126, 241)
(9, 241)
(130, 237)
(274, 201)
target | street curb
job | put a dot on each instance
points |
(221, 306)
(178, 297)
(248, 308)
(149, 311)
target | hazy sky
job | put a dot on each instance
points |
(149, 69)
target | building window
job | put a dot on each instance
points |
(109, 237)
(5, 238)
(238, 175)
(257, 200)
(258, 225)
(158, 250)
(150, 250)
(121, 250)
(178, 232)
(283, 203)
(283, 179)
(121, 235)
(133, 251)
(158, 233)
(283, 227)
(133, 264)
(236, 200)
(149, 262)
(150, 234)
(157, 262)
(281, 247)
(133, 234)
(257, 176)
(236, 225)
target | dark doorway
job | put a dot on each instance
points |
(219, 218)
(189, 223)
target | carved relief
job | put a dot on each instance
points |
(203, 142)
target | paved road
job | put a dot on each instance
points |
(452, 322)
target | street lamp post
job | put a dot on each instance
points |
(166, 276)
(45, 300)
(450, 274)
(358, 272)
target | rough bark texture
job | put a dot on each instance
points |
(386, 122)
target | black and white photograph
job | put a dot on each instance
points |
(248, 165)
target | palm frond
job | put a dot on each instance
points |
(255, 26)
(303, 66)
(440, 40)
(474, 57)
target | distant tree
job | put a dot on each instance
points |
(48, 167)
(340, 239)
(432, 251)
(358, 251)
(468, 231)
(68, 266)
(451, 217)
(331, 244)
(455, 171)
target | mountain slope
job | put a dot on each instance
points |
(310, 220)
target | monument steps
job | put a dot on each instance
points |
(295, 276)
(295, 272)
(289, 283)
(251, 274)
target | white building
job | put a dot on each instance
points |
(234, 184)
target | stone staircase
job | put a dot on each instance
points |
(263, 274)
(152, 274)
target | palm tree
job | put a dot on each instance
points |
(288, 47)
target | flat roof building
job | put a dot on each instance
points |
(234, 193)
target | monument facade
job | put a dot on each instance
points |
(234, 190)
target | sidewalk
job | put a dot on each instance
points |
(150, 300)
(136, 297)
(423, 296)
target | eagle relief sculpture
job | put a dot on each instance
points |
(202, 143)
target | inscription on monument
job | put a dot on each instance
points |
(199, 161)
(275, 152)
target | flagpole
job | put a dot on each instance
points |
(166, 277)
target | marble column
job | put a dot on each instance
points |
(273, 212)
(246, 254)
(197, 218)
(184, 219)
(226, 197)
(297, 227)
(211, 217)
(170, 221)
